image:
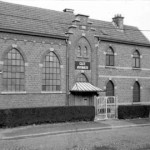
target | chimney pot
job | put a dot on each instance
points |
(118, 20)
(68, 10)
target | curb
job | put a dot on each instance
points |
(70, 131)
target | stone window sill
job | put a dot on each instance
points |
(51, 92)
(110, 67)
(13, 92)
(134, 68)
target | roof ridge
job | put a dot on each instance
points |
(28, 6)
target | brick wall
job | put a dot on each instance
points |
(122, 75)
(33, 49)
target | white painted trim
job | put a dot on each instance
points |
(51, 49)
(134, 103)
(128, 77)
(61, 66)
(26, 64)
(41, 65)
(14, 45)
(83, 34)
(1, 62)
(126, 68)
(96, 45)
(141, 56)
(51, 92)
(13, 92)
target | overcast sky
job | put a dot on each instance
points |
(135, 12)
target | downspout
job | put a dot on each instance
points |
(97, 72)
(67, 73)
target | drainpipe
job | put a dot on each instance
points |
(67, 73)
(97, 72)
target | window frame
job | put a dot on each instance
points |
(136, 92)
(79, 51)
(51, 73)
(85, 51)
(82, 78)
(136, 59)
(112, 91)
(13, 77)
(110, 57)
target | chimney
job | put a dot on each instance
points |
(118, 20)
(68, 10)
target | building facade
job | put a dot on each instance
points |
(50, 58)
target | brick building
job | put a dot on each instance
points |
(51, 58)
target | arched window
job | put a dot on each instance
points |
(13, 71)
(82, 78)
(136, 59)
(85, 51)
(110, 57)
(110, 89)
(51, 73)
(79, 52)
(136, 92)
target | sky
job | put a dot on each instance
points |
(135, 12)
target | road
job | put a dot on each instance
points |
(133, 138)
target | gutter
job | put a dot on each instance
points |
(64, 37)
(122, 41)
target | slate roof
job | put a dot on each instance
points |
(45, 21)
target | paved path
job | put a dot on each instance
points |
(63, 128)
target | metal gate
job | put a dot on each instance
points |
(106, 107)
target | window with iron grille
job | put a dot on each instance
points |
(136, 92)
(82, 78)
(110, 57)
(136, 59)
(13, 71)
(110, 89)
(51, 73)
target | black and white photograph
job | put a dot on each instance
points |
(74, 75)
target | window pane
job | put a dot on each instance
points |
(137, 62)
(110, 89)
(111, 58)
(136, 92)
(13, 71)
(107, 60)
(79, 51)
(82, 78)
(50, 72)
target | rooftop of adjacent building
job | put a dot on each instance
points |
(15, 17)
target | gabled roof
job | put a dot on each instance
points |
(45, 21)
(32, 19)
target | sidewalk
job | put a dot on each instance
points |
(65, 128)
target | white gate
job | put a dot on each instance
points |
(106, 107)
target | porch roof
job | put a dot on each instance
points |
(85, 87)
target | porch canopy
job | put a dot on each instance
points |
(85, 87)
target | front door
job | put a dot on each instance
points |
(86, 101)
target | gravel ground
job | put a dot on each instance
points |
(133, 138)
